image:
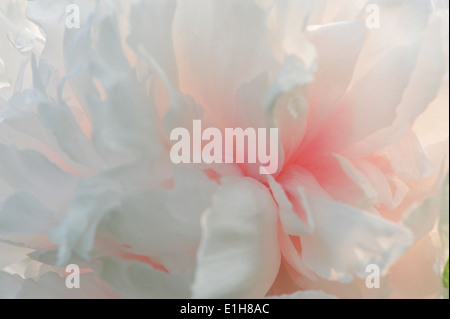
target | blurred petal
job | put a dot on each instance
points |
(10, 254)
(9, 285)
(413, 276)
(23, 213)
(95, 198)
(24, 220)
(307, 294)
(52, 286)
(30, 171)
(409, 159)
(139, 280)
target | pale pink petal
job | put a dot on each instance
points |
(364, 109)
(338, 46)
(408, 159)
(425, 79)
(212, 65)
(333, 178)
(413, 276)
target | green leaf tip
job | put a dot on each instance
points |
(445, 276)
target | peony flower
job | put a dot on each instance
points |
(86, 176)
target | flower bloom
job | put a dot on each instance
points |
(86, 177)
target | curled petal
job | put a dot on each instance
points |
(238, 256)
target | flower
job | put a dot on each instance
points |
(86, 177)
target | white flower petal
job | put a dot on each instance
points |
(96, 197)
(370, 195)
(334, 42)
(51, 286)
(290, 247)
(164, 224)
(24, 214)
(381, 184)
(293, 222)
(63, 125)
(346, 240)
(238, 255)
(425, 79)
(139, 280)
(9, 285)
(218, 48)
(29, 171)
(123, 117)
(11, 254)
(421, 217)
(156, 18)
(25, 130)
(444, 214)
(285, 105)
